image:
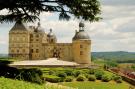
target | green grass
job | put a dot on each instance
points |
(97, 85)
(6, 83)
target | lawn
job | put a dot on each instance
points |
(6, 83)
(97, 85)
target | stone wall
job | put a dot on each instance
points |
(63, 51)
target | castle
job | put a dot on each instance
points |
(32, 43)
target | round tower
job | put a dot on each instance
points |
(82, 46)
(51, 37)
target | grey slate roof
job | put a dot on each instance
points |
(81, 35)
(19, 26)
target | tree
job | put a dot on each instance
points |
(29, 10)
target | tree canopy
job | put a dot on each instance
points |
(29, 10)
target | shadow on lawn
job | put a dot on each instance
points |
(31, 75)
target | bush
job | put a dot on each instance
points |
(51, 72)
(85, 71)
(31, 75)
(91, 71)
(62, 74)
(69, 72)
(106, 78)
(119, 81)
(98, 74)
(76, 73)
(91, 78)
(68, 79)
(53, 79)
(80, 78)
(117, 78)
(86, 75)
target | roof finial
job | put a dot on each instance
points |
(39, 24)
(50, 29)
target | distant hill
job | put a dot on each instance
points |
(119, 56)
(3, 55)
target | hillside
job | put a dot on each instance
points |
(119, 56)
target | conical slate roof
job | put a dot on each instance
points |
(19, 26)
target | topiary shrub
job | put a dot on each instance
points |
(117, 78)
(69, 79)
(119, 81)
(53, 79)
(80, 78)
(76, 73)
(91, 71)
(69, 72)
(98, 74)
(51, 72)
(62, 74)
(86, 75)
(106, 78)
(91, 78)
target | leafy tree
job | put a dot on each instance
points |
(29, 10)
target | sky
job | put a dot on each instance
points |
(115, 32)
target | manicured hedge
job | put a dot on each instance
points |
(81, 78)
(53, 79)
(91, 78)
(69, 79)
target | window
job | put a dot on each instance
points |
(31, 39)
(32, 50)
(81, 46)
(37, 50)
(81, 52)
(36, 39)
(51, 40)
(31, 35)
(17, 51)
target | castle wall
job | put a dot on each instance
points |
(19, 44)
(62, 51)
(36, 39)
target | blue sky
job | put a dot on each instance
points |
(115, 32)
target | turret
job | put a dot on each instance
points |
(81, 46)
(51, 37)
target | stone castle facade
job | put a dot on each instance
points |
(32, 43)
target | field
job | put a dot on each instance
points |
(97, 85)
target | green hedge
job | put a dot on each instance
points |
(53, 79)
(81, 78)
(69, 79)
(91, 78)
(106, 78)
(98, 74)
